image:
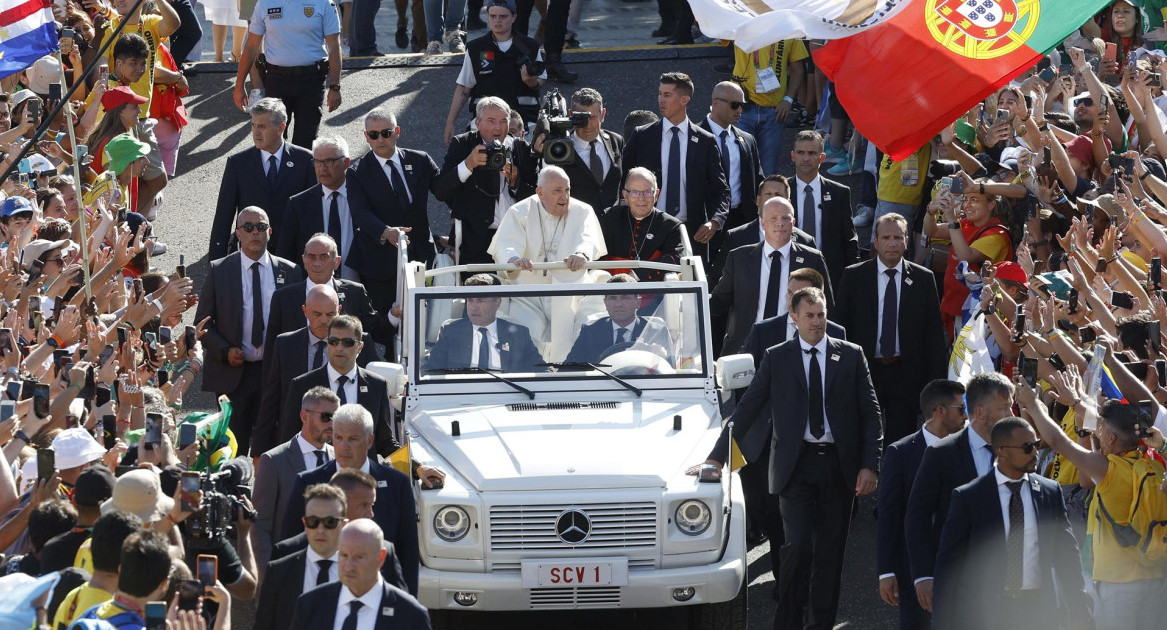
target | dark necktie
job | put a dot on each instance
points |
(595, 164)
(321, 460)
(725, 154)
(773, 285)
(256, 308)
(887, 334)
(399, 188)
(272, 171)
(322, 573)
(673, 176)
(334, 221)
(483, 349)
(1015, 544)
(350, 622)
(809, 213)
(340, 383)
(318, 359)
(817, 426)
(621, 335)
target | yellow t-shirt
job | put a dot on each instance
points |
(77, 602)
(84, 557)
(1061, 469)
(148, 28)
(994, 246)
(903, 181)
(1113, 562)
(778, 56)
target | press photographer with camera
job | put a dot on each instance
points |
(573, 139)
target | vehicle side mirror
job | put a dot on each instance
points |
(392, 372)
(734, 371)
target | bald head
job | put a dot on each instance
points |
(320, 306)
(726, 108)
(360, 555)
(777, 218)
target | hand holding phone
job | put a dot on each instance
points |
(207, 569)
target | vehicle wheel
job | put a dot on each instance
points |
(730, 615)
(441, 620)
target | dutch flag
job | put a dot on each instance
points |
(27, 33)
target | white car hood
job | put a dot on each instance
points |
(620, 445)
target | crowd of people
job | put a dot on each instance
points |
(987, 359)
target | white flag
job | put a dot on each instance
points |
(970, 354)
(755, 24)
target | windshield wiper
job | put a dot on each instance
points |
(576, 365)
(477, 370)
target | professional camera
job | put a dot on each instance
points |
(554, 123)
(221, 505)
(534, 66)
(943, 168)
(496, 156)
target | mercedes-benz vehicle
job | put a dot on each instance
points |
(566, 443)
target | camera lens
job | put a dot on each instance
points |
(558, 151)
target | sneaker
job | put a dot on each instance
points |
(834, 156)
(863, 216)
(253, 98)
(842, 168)
(454, 43)
(152, 213)
(434, 48)
(159, 248)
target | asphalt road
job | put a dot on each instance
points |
(419, 90)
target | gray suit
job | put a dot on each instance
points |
(274, 477)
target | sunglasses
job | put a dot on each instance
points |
(1087, 101)
(347, 342)
(384, 133)
(254, 227)
(1028, 447)
(329, 522)
(325, 416)
(732, 104)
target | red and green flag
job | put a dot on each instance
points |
(902, 82)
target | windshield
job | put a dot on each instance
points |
(627, 330)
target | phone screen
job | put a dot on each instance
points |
(106, 353)
(155, 615)
(7, 409)
(1154, 329)
(187, 434)
(40, 400)
(153, 434)
(109, 430)
(1120, 299)
(1087, 334)
(208, 569)
(1156, 273)
(13, 390)
(5, 340)
(1029, 370)
(190, 486)
(46, 463)
(957, 186)
(189, 593)
(122, 335)
(165, 334)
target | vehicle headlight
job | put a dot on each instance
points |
(452, 523)
(693, 517)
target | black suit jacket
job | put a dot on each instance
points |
(750, 234)
(472, 201)
(394, 511)
(733, 303)
(779, 389)
(372, 394)
(922, 343)
(287, 358)
(706, 195)
(749, 173)
(516, 350)
(596, 337)
(316, 609)
(245, 184)
(971, 560)
(286, 314)
(584, 186)
(945, 465)
(838, 243)
(660, 241)
(901, 460)
(222, 300)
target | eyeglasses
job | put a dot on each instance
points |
(957, 407)
(1028, 447)
(1087, 101)
(254, 227)
(732, 104)
(639, 194)
(347, 342)
(326, 161)
(384, 133)
(329, 522)
(58, 260)
(325, 416)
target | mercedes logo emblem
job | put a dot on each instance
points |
(573, 527)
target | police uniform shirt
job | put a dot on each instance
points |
(466, 77)
(735, 160)
(293, 31)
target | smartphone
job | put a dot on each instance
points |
(1146, 410)
(60, 357)
(1087, 334)
(1128, 167)
(180, 269)
(1156, 273)
(7, 409)
(1073, 301)
(1048, 75)
(1111, 53)
(957, 187)
(66, 40)
(137, 289)
(109, 430)
(1002, 116)
(207, 569)
(166, 335)
(101, 395)
(163, 377)
(34, 109)
(1138, 369)
(46, 463)
(5, 340)
(1115, 161)
(55, 92)
(946, 183)
(106, 353)
(189, 336)
(189, 486)
(187, 434)
(189, 594)
(1100, 266)
(1155, 80)
(13, 390)
(986, 270)
(153, 434)
(1161, 369)
(155, 615)
(1120, 299)
(123, 337)
(1154, 329)
(1056, 362)
(35, 269)
(105, 73)
(1019, 324)
(1104, 102)
(1029, 370)
(40, 400)
(27, 388)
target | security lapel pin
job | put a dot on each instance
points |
(835, 357)
(798, 260)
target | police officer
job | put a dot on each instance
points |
(302, 49)
(499, 64)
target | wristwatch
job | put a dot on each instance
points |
(954, 225)
(21, 435)
(335, 87)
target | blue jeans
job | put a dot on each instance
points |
(888, 207)
(435, 22)
(759, 122)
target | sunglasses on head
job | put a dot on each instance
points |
(1028, 447)
(732, 104)
(254, 227)
(384, 133)
(347, 342)
(329, 522)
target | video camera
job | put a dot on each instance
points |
(534, 66)
(221, 505)
(554, 123)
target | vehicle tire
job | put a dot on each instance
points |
(730, 615)
(441, 620)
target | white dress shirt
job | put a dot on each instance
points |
(828, 437)
(346, 226)
(367, 614)
(881, 287)
(982, 456)
(308, 451)
(799, 189)
(264, 155)
(666, 139)
(1030, 575)
(311, 570)
(734, 176)
(267, 286)
(504, 201)
(631, 328)
(583, 149)
(350, 386)
(491, 341)
(764, 279)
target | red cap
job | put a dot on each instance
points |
(1009, 270)
(120, 95)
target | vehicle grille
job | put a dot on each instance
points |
(578, 597)
(614, 526)
(561, 405)
(634, 564)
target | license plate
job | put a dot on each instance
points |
(566, 573)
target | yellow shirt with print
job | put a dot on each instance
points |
(779, 56)
(77, 602)
(1061, 469)
(1113, 562)
(903, 181)
(148, 29)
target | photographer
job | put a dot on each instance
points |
(594, 161)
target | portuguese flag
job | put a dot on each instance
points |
(904, 81)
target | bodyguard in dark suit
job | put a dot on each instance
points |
(621, 329)
(505, 346)
(390, 187)
(750, 233)
(361, 596)
(951, 462)
(249, 178)
(737, 149)
(942, 403)
(825, 445)
(828, 217)
(595, 170)
(744, 295)
(891, 308)
(685, 162)
(477, 195)
(1007, 556)
(236, 296)
(636, 230)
